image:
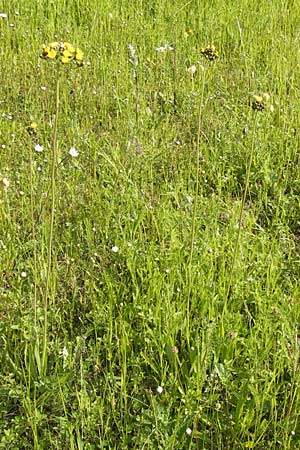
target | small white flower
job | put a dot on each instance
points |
(188, 431)
(115, 249)
(43, 88)
(192, 69)
(159, 389)
(73, 152)
(38, 148)
(5, 182)
(88, 63)
(21, 193)
(65, 353)
(23, 274)
(164, 48)
(3, 16)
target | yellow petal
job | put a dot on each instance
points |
(79, 54)
(67, 54)
(54, 45)
(69, 47)
(65, 59)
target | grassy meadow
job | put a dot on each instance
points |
(150, 226)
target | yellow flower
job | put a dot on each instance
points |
(32, 128)
(65, 59)
(78, 54)
(67, 54)
(69, 47)
(48, 52)
(62, 51)
(258, 98)
(210, 52)
(33, 125)
(258, 104)
(54, 45)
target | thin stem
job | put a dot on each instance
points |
(197, 172)
(195, 206)
(34, 240)
(52, 216)
(235, 252)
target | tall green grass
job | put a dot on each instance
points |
(146, 220)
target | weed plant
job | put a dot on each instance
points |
(149, 226)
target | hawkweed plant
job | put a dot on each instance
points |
(62, 53)
(211, 50)
(258, 105)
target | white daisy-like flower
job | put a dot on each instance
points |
(38, 148)
(23, 274)
(73, 152)
(160, 389)
(188, 431)
(115, 249)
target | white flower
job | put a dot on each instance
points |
(3, 16)
(43, 88)
(115, 249)
(188, 431)
(5, 182)
(73, 152)
(164, 48)
(192, 69)
(159, 389)
(38, 148)
(23, 274)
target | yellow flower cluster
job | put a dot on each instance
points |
(260, 102)
(62, 51)
(210, 52)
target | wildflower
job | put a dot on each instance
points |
(210, 52)
(188, 431)
(73, 152)
(159, 389)
(115, 249)
(32, 128)
(64, 52)
(23, 274)
(38, 148)
(5, 182)
(79, 55)
(132, 55)
(258, 103)
(164, 48)
(49, 52)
